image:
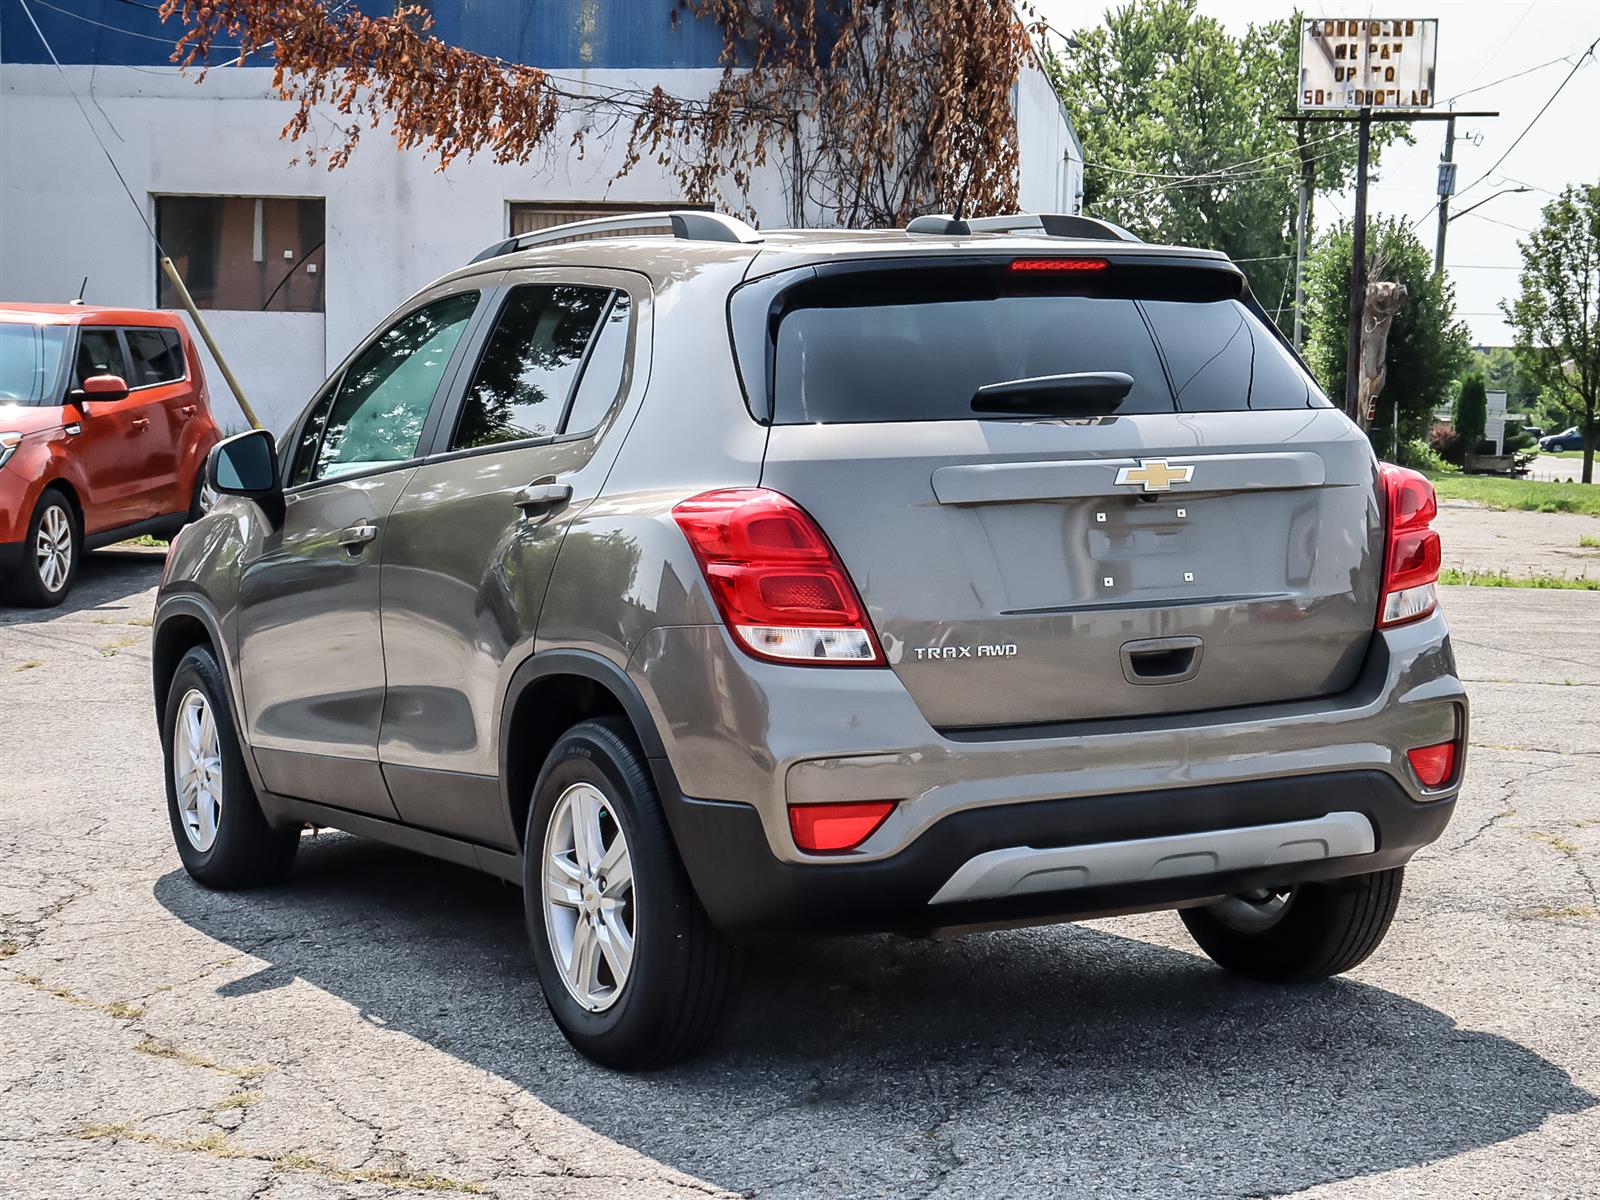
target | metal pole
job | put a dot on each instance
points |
(1300, 269)
(205, 335)
(1358, 274)
(1444, 200)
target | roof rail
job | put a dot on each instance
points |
(1062, 225)
(684, 224)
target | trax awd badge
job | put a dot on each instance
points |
(1155, 474)
(995, 650)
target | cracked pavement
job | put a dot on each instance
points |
(374, 1028)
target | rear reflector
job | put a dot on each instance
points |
(828, 828)
(780, 587)
(1058, 264)
(1434, 765)
(1411, 553)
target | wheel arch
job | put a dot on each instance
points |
(551, 692)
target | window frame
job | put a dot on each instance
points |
(127, 354)
(636, 284)
(485, 286)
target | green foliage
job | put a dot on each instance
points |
(1427, 345)
(1556, 318)
(1160, 91)
(1502, 374)
(1527, 495)
(1471, 410)
(1419, 456)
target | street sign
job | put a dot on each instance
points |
(1367, 63)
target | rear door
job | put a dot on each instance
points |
(1211, 542)
(159, 376)
(111, 439)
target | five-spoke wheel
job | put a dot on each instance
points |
(589, 901)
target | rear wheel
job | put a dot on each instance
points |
(221, 833)
(51, 553)
(1298, 934)
(634, 972)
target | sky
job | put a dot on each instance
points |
(1480, 42)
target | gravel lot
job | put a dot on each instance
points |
(374, 1028)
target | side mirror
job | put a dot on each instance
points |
(247, 465)
(104, 388)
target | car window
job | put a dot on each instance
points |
(30, 362)
(528, 369)
(378, 410)
(99, 353)
(154, 356)
(1222, 358)
(603, 373)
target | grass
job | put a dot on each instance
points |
(1501, 579)
(144, 539)
(1588, 541)
(1525, 495)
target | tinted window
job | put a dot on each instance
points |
(528, 369)
(154, 356)
(99, 353)
(925, 361)
(1221, 357)
(30, 363)
(381, 404)
(603, 373)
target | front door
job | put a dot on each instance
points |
(471, 544)
(310, 647)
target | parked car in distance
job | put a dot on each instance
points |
(104, 429)
(737, 584)
(1534, 432)
(1567, 439)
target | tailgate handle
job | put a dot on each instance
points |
(1161, 660)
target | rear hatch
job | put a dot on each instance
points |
(1211, 540)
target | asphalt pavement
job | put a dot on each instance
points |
(373, 1028)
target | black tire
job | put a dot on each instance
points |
(28, 587)
(683, 969)
(1325, 929)
(247, 851)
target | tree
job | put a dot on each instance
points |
(1501, 373)
(875, 111)
(1182, 141)
(1471, 416)
(1427, 345)
(1556, 319)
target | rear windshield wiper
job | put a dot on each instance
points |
(1084, 394)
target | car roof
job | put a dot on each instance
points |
(84, 314)
(664, 258)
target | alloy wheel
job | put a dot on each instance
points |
(590, 913)
(197, 769)
(52, 548)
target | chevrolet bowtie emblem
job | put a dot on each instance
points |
(1155, 475)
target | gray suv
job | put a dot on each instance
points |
(711, 584)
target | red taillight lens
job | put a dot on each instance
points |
(828, 828)
(1411, 548)
(1435, 765)
(777, 581)
(1058, 264)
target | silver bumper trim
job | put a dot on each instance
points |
(1021, 870)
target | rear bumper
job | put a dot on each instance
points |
(748, 891)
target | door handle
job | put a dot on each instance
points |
(542, 496)
(188, 410)
(140, 423)
(353, 537)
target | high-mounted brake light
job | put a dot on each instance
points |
(776, 579)
(1411, 553)
(829, 828)
(1059, 264)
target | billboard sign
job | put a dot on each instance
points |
(1367, 63)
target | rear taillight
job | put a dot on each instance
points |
(1411, 547)
(1435, 765)
(829, 828)
(776, 579)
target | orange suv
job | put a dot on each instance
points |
(104, 431)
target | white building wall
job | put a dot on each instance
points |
(1051, 176)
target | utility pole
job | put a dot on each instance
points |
(1447, 188)
(1358, 274)
(1302, 234)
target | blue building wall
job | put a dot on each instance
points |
(556, 34)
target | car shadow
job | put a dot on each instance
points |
(107, 579)
(1052, 1060)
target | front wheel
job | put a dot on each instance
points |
(634, 972)
(1298, 934)
(52, 551)
(221, 833)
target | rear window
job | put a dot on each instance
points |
(916, 345)
(154, 356)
